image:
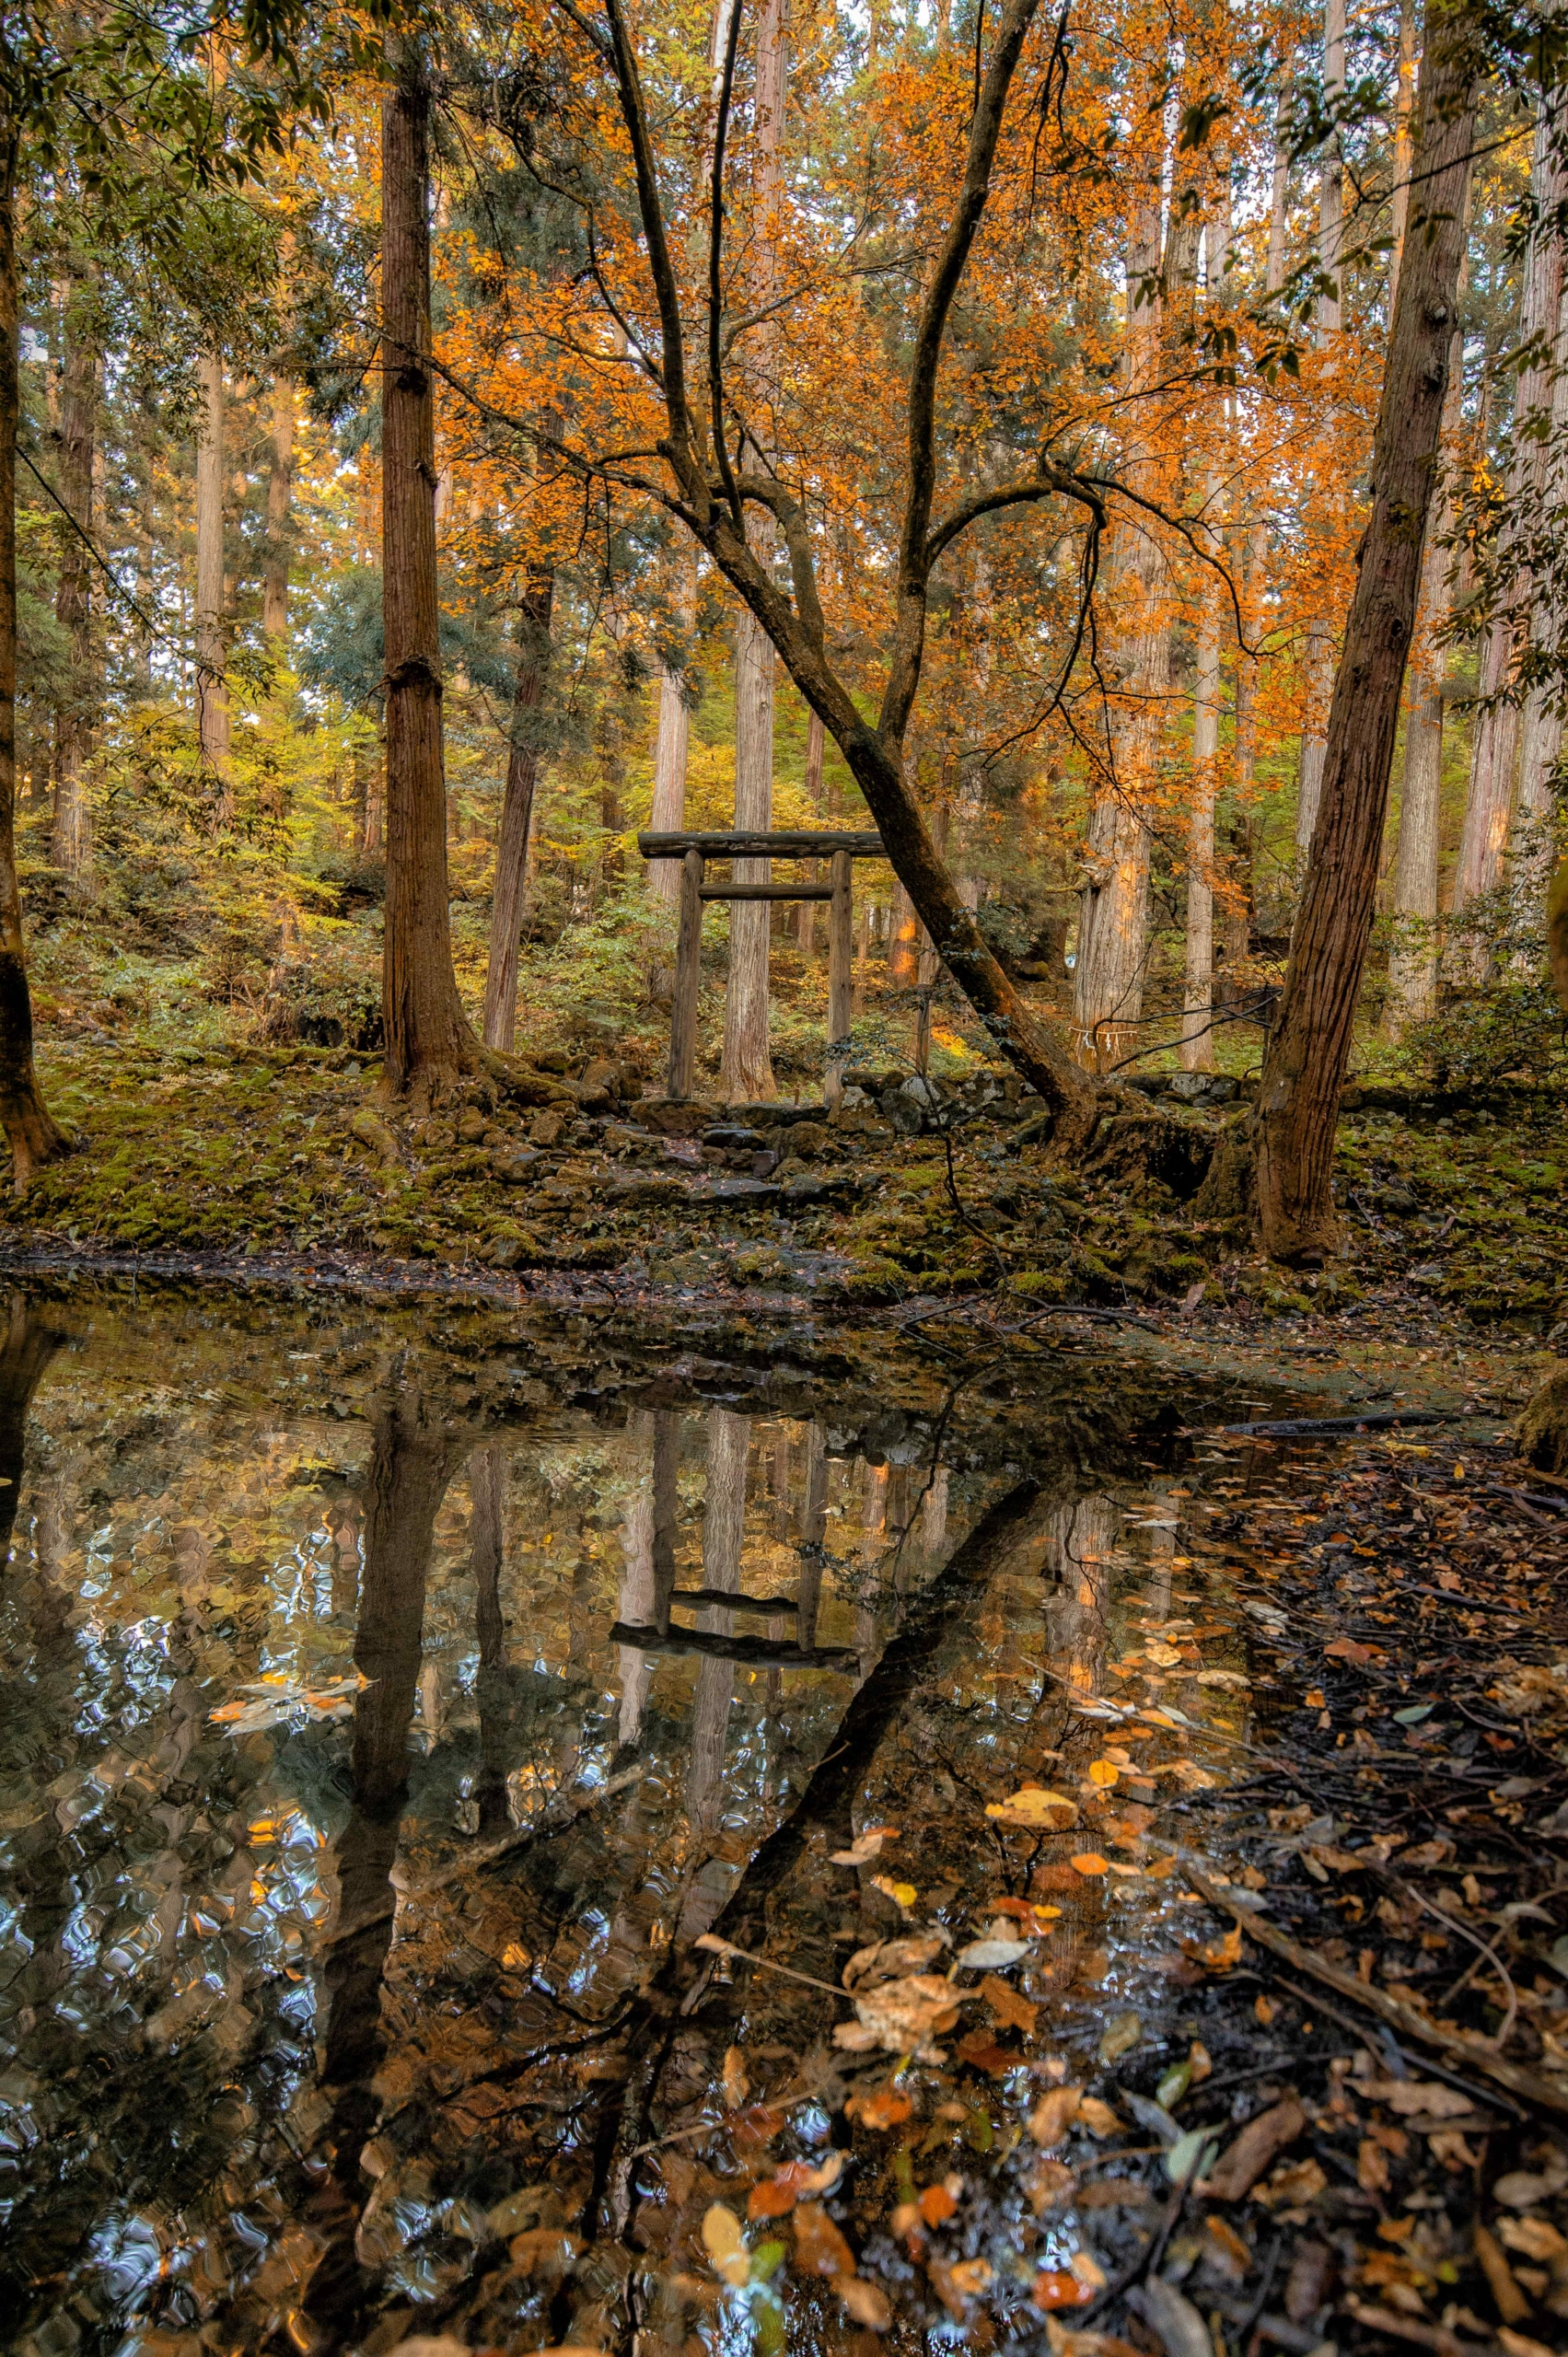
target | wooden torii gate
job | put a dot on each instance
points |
(840, 848)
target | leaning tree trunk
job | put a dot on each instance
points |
(428, 1040)
(33, 1135)
(517, 810)
(1305, 1063)
(71, 834)
(212, 696)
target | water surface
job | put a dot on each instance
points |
(392, 1700)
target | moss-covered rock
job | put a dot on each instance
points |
(1543, 1427)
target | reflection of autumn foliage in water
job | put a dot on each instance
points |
(378, 1976)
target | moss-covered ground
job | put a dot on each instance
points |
(235, 1151)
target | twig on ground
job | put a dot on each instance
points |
(1532, 2086)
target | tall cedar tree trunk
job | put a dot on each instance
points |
(672, 750)
(1113, 906)
(1318, 657)
(1305, 1063)
(280, 491)
(1494, 754)
(1531, 849)
(1197, 1052)
(805, 914)
(1412, 960)
(34, 1137)
(212, 696)
(428, 1040)
(517, 810)
(747, 1071)
(71, 842)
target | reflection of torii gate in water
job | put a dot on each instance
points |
(840, 848)
(649, 1537)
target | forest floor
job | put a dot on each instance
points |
(280, 1165)
(1308, 2092)
(1185, 2039)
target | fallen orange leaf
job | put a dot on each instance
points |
(1055, 2288)
(1090, 1861)
(885, 2108)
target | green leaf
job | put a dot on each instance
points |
(1192, 2155)
(1174, 2084)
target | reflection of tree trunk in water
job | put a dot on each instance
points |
(934, 1512)
(636, 1605)
(899, 1524)
(724, 1530)
(813, 1531)
(342, 1525)
(783, 1512)
(770, 1884)
(28, 1347)
(44, 1862)
(667, 1510)
(1081, 1537)
(487, 1486)
(1079, 1540)
(873, 1522)
(1162, 1551)
(409, 1464)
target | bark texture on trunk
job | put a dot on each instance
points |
(70, 844)
(1197, 1051)
(279, 494)
(1495, 753)
(1305, 1063)
(671, 754)
(806, 915)
(34, 1137)
(1531, 851)
(747, 1076)
(672, 745)
(1412, 960)
(1113, 905)
(428, 1040)
(517, 811)
(212, 696)
(1317, 669)
(1330, 194)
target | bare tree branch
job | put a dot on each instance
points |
(985, 129)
